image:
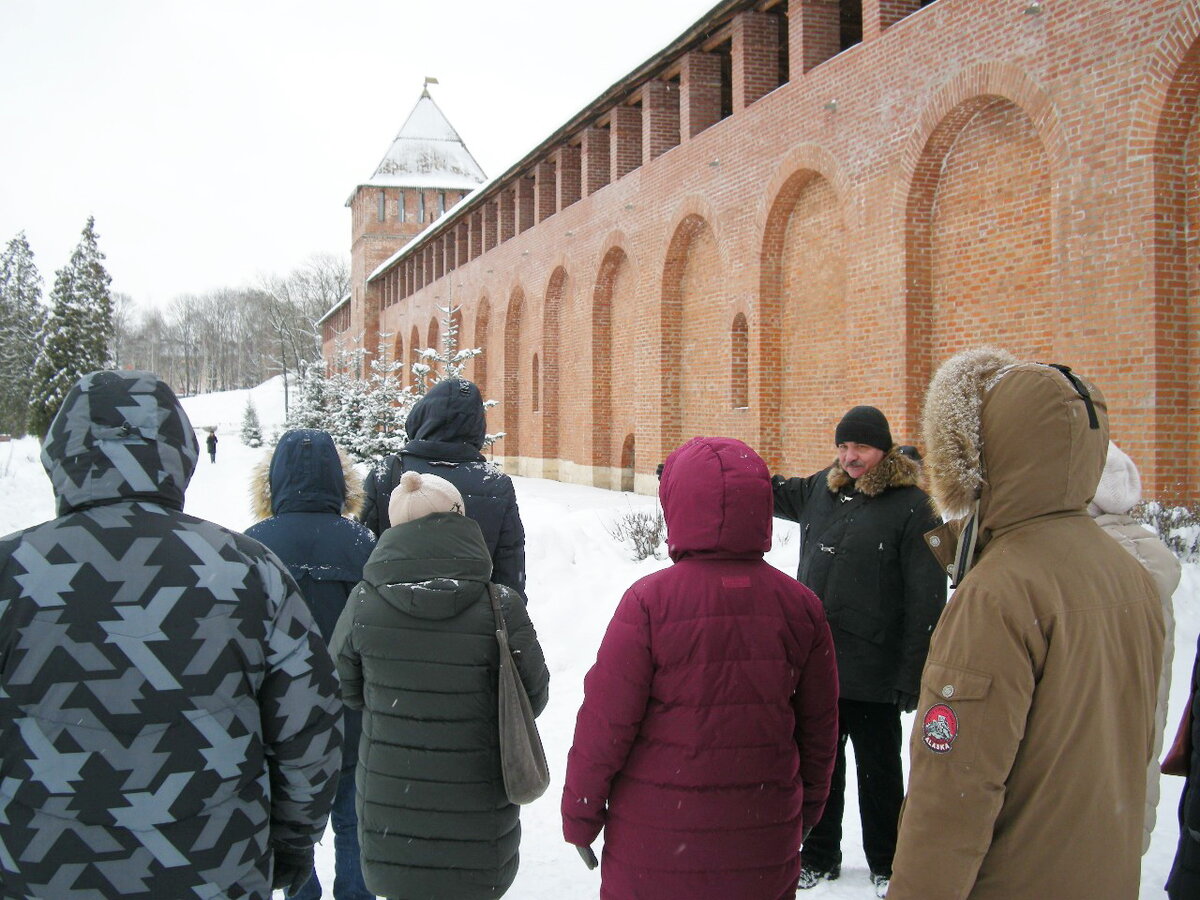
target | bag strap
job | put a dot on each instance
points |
(494, 594)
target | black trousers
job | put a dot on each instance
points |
(875, 730)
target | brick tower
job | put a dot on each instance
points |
(424, 173)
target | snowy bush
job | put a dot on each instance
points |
(642, 531)
(1176, 526)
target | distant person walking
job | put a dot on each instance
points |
(302, 495)
(211, 442)
(169, 720)
(446, 430)
(417, 652)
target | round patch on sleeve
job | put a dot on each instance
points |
(940, 728)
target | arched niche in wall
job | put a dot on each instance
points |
(514, 393)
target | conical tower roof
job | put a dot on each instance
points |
(428, 153)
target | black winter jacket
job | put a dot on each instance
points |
(416, 650)
(446, 430)
(303, 497)
(862, 551)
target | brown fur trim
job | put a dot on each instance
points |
(894, 470)
(260, 487)
(951, 426)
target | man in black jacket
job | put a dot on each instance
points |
(862, 551)
(446, 431)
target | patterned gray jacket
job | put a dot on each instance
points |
(168, 711)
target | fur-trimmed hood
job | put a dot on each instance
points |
(1023, 439)
(894, 470)
(305, 472)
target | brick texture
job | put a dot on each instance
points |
(970, 173)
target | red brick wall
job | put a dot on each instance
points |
(971, 173)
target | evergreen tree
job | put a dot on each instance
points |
(21, 319)
(75, 337)
(251, 427)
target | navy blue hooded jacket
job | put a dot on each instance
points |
(307, 489)
(446, 430)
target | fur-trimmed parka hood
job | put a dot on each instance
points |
(306, 472)
(894, 470)
(1024, 439)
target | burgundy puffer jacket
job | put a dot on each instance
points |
(705, 742)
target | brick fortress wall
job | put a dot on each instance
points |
(760, 229)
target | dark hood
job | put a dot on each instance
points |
(450, 413)
(433, 567)
(119, 436)
(716, 498)
(306, 473)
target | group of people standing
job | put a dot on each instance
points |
(182, 707)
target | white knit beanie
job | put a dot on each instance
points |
(419, 495)
(1120, 487)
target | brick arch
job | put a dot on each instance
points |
(483, 315)
(434, 335)
(556, 292)
(613, 265)
(979, 235)
(692, 330)
(512, 374)
(1171, 113)
(803, 237)
(414, 344)
(982, 90)
(398, 353)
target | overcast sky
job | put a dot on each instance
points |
(216, 142)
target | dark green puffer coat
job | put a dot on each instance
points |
(416, 650)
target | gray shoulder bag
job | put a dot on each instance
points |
(522, 759)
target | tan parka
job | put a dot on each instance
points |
(1035, 720)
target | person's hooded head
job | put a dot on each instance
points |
(306, 472)
(716, 499)
(119, 436)
(1009, 441)
(451, 412)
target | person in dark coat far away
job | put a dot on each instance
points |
(446, 431)
(705, 742)
(211, 443)
(862, 551)
(301, 497)
(416, 649)
(169, 721)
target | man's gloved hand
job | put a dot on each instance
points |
(293, 868)
(589, 858)
(906, 701)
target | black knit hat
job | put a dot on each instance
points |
(864, 425)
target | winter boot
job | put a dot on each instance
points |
(811, 876)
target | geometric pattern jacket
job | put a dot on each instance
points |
(168, 711)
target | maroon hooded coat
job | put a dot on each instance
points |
(706, 738)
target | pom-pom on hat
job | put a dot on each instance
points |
(420, 495)
(864, 425)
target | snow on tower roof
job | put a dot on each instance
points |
(427, 152)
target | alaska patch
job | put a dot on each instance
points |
(940, 728)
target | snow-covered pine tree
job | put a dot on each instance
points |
(307, 406)
(21, 319)
(74, 339)
(251, 427)
(388, 405)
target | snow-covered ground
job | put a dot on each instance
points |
(577, 573)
